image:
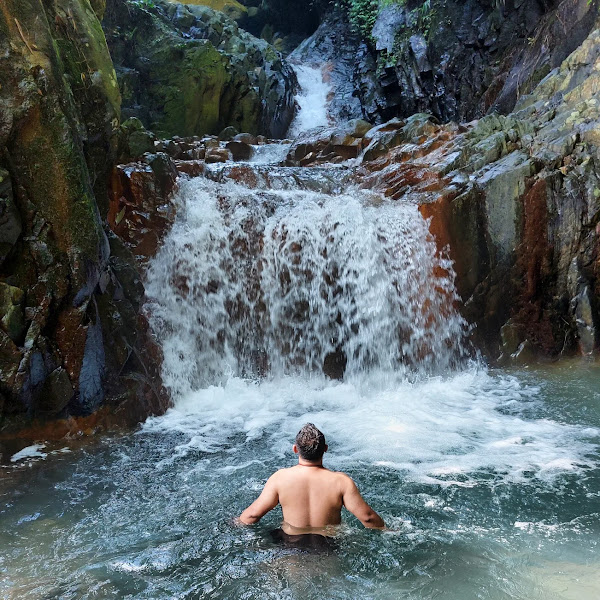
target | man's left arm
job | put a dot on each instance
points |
(268, 500)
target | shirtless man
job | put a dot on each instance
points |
(310, 495)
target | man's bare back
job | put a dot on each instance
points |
(310, 495)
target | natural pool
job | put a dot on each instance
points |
(488, 480)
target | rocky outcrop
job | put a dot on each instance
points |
(460, 60)
(189, 70)
(71, 337)
(515, 200)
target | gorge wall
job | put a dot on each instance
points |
(457, 60)
(71, 336)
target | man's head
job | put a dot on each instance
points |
(310, 443)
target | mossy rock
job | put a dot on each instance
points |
(233, 9)
(189, 70)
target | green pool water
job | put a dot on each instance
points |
(489, 482)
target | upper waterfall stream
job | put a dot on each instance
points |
(272, 280)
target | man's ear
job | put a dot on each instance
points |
(295, 449)
(326, 448)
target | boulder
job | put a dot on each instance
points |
(246, 138)
(240, 150)
(217, 155)
(228, 134)
(189, 70)
(135, 140)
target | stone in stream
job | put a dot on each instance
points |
(329, 144)
(247, 138)
(217, 155)
(240, 150)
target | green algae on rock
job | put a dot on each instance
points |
(190, 70)
(59, 114)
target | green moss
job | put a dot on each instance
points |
(200, 81)
(82, 49)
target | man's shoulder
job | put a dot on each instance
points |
(281, 473)
(344, 480)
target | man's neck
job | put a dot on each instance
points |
(302, 462)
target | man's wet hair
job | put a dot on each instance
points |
(310, 442)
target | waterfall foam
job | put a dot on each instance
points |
(250, 282)
(312, 100)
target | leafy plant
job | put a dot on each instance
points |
(362, 15)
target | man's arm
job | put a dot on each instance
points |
(268, 499)
(355, 503)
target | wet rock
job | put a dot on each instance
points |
(136, 140)
(189, 70)
(247, 138)
(91, 376)
(334, 364)
(59, 136)
(10, 359)
(240, 150)
(56, 393)
(10, 220)
(217, 155)
(459, 60)
(12, 318)
(228, 134)
(140, 209)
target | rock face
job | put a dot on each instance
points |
(460, 60)
(517, 199)
(189, 70)
(70, 335)
(335, 46)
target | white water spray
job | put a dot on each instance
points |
(250, 283)
(312, 100)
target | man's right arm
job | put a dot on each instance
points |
(355, 503)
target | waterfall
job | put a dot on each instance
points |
(257, 282)
(304, 274)
(312, 100)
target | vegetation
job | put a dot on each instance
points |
(363, 14)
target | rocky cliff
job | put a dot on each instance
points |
(514, 199)
(190, 70)
(459, 60)
(71, 338)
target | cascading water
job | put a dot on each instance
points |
(489, 481)
(312, 100)
(256, 282)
